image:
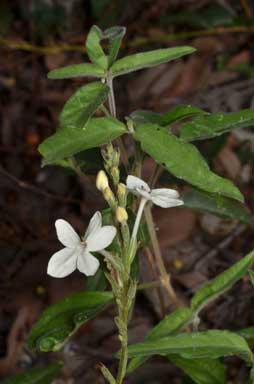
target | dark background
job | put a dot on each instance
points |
(37, 36)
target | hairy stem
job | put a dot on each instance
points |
(123, 333)
(121, 292)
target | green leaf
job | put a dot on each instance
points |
(218, 205)
(77, 70)
(177, 113)
(148, 59)
(142, 117)
(197, 345)
(247, 334)
(180, 112)
(115, 36)
(183, 160)
(204, 127)
(67, 142)
(170, 324)
(94, 49)
(201, 371)
(90, 161)
(36, 375)
(83, 104)
(59, 321)
(221, 283)
(251, 276)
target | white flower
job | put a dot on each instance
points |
(77, 252)
(163, 197)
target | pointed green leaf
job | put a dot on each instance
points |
(204, 127)
(177, 113)
(76, 70)
(148, 59)
(59, 321)
(67, 142)
(218, 205)
(180, 112)
(94, 49)
(170, 324)
(142, 116)
(221, 283)
(183, 160)
(83, 104)
(197, 345)
(36, 375)
(201, 371)
(115, 36)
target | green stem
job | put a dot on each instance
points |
(107, 374)
(112, 108)
(149, 285)
(122, 292)
(124, 341)
(111, 97)
(105, 110)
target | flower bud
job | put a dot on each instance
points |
(121, 194)
(121, 215)
(116, 157)
(109, 197)
(107, 154)
(114, 171)
(101, 181)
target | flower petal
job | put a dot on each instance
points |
(165, 193)
(87, 263)
(66, 234)
(94, 224)
(62, 263)
(101, 239)
(166, 202)
(134, 182)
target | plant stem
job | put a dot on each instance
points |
(148, 285)
(164, 276)
(122, 292)
(123, 331)
(111, 97)
(112, 108)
